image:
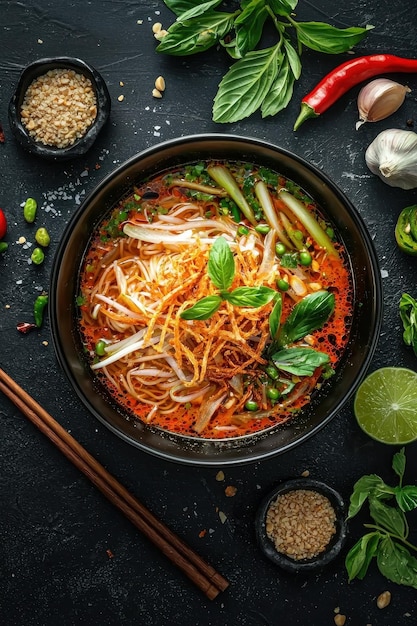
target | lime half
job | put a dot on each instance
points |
(385, 405)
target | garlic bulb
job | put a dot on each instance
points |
(393, 157)
(379, 99)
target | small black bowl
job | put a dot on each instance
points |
(336, 543)
(38, 68)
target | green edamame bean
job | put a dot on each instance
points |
(243, 230)
(305, 258)
(100, 348)
(3, 246)
(29, 210)
(272, 372)
(42, 237)
(282, 284)
(37, 256)
(251, 405)
(39, 308)
(263, 229)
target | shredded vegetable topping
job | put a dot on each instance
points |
(206, 322)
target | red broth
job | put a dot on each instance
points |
(155, 257)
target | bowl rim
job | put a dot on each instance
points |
(219, 452)
(38, 68)
(336, 544)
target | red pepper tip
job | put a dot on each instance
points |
(306, 112)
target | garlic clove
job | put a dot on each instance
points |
(393, 157)
(379, 99)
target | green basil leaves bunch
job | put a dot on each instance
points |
(387, 540)
(262, 77)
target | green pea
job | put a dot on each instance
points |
(251, 405)
(298, 235)
(3, 246)
(280, 249)
(272, 372)
(100, 348)
(282, 284)
(42, 237)
(263, 229)
(305, 257)
(243, 230)
(37, 256)
(330, 232)
(29, 210)
(272, 393)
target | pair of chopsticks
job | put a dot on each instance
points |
(200, 573)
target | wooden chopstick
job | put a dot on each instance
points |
(200, 572)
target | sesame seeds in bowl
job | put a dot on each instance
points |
(59, 107)
(301, 525)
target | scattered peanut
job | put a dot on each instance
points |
(156, 93)
(58, 107)
(383, 600)
(160, 83)
(220, 475)
(157, 27)
(301, 523)
(340, 619)
(121, 98)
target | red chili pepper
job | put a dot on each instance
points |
(3, 224)
(342, 78)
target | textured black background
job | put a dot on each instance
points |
(55, 528)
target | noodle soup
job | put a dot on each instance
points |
(215, 300)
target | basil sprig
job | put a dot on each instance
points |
(388, 539)
(221, 270)
(261, 78)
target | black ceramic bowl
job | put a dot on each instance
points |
(79, 147)
(333, 548)
(366, 315)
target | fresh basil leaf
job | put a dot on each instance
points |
(283, 7)
(406, 497)
(396, 563)
(329, 39)
(293, 59)
(203, 309)
(390, 518)
(311, 313)
(250, 296)
(245, 86)
(275, 316)
(221, 264)
(299, 361)
(197, 10)
(196, 35)
(398, 464)
(361, 554)
(181, 6)
(367, 485)
(277, 99)
(249, 25)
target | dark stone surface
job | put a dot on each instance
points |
(55, 527)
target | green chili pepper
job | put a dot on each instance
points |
(37, 256)
(29, 210)
(39, 308)
(3, 246)
(42, 237)
(406, 230)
